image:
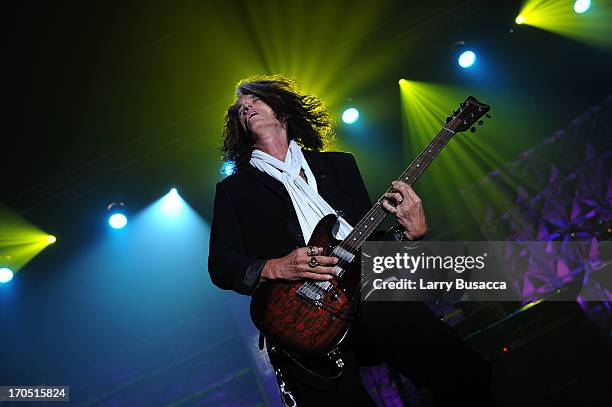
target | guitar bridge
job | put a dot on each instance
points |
(314, 291)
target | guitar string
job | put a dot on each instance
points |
(377, 210)
(436, 145)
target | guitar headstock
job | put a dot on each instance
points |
(468, 114)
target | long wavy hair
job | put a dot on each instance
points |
(305, 117)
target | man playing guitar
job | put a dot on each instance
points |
(267, 210)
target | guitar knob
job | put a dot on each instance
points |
(473, 129)
(335, 296)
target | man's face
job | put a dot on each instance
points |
(255, 114)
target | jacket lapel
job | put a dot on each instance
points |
(270, 182)
(323, 176)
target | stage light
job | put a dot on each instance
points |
(581, 6)
(20, 241)
(560, 17)
(520, 19)
(172, 203)
(6, 275)
(51, 239)
(228, 168)
(117, 218)
(350, 115)
(467, 59)
(117, 221)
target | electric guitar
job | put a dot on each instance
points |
(311, 318)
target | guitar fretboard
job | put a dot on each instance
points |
(372, 219)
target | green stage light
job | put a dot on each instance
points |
(560, 17)
(467, 157)
(20, 241)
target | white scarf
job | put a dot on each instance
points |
(310, 207)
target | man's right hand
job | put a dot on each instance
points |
(294, 266)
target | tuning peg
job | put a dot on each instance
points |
(473, 129)
(488, 116)
(480, 122)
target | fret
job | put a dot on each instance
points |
(467, 115)
(364, 228)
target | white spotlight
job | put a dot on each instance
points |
(172, 203)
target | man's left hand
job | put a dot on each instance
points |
(408, 209)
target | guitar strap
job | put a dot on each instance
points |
(282, 378)
(284, 388)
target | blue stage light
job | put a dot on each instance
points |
(6, 275)
(117, 221)
(581, 6)
(172, 203)
(228, 168)
(350, 115)
(117, 217)
(467, 59)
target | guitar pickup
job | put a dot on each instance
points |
(343, 254)
(325, 285)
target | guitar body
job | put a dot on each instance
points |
(302, 325)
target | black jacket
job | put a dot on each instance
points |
(254, 219)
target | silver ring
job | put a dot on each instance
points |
(313, 262)
(311, 251)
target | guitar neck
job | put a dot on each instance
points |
(372, 219)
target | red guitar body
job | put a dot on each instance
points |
(303, 325)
